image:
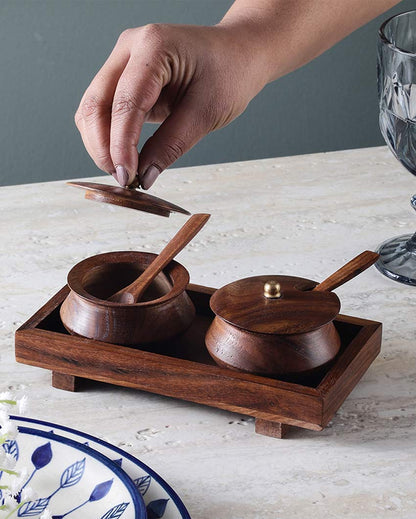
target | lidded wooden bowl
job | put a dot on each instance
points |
(273, 325)
(164, 311)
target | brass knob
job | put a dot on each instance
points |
(272, 290)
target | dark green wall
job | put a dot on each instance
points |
(50, 50)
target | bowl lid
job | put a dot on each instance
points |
(255, 305)
(127, 197)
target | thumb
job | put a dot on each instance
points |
(185, 126)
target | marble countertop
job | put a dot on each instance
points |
(303, 215)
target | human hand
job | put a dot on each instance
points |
(191, 79)
(196, 79)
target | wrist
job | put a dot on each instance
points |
(257, 35)
(283, 35)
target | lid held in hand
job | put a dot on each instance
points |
(126, 197)
(255, 304)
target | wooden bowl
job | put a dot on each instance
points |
(164, 311)
(290, 335)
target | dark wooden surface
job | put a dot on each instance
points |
(349, 271)
(62, 381)
(349, 367)
(298, 310)
(164, 310)
(290, 334)
(133, 292)
(131, 198)
(273, 429)
(182, 368)
(272, 355)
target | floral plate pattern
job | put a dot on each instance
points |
(160, 499)
(70, 479)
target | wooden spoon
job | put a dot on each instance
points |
(133, 292)
(348, 271)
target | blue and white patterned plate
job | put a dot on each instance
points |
(160, 499)
(70, 479)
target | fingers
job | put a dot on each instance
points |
(114, 107)
(137, 91)
(93, 117)
(130, 89)
(188, 123)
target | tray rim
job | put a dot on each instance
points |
(369, 327)
(326, 397)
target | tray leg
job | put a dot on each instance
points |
(273, 429)
(66, 382)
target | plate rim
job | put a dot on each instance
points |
(168, 489)
(140, 510)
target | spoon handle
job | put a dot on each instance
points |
(348, 271)
(136, 289)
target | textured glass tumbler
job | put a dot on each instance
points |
(396, 74)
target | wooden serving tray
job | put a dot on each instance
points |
(182, 368)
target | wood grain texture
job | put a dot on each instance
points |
(164, 311)
(45, 311)
(273, 429)
(299, 309)
(349, 369)
(290, 334)
(349, 271)
(271, 355)
(209, 385)
(65, 382)
(130, 198)
(134, 292)
(182, 369)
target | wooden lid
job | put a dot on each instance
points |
(126, 197)
(297, 309)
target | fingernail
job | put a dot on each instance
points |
(149, 177)
(122, 176)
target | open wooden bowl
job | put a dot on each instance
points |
(164, 311)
